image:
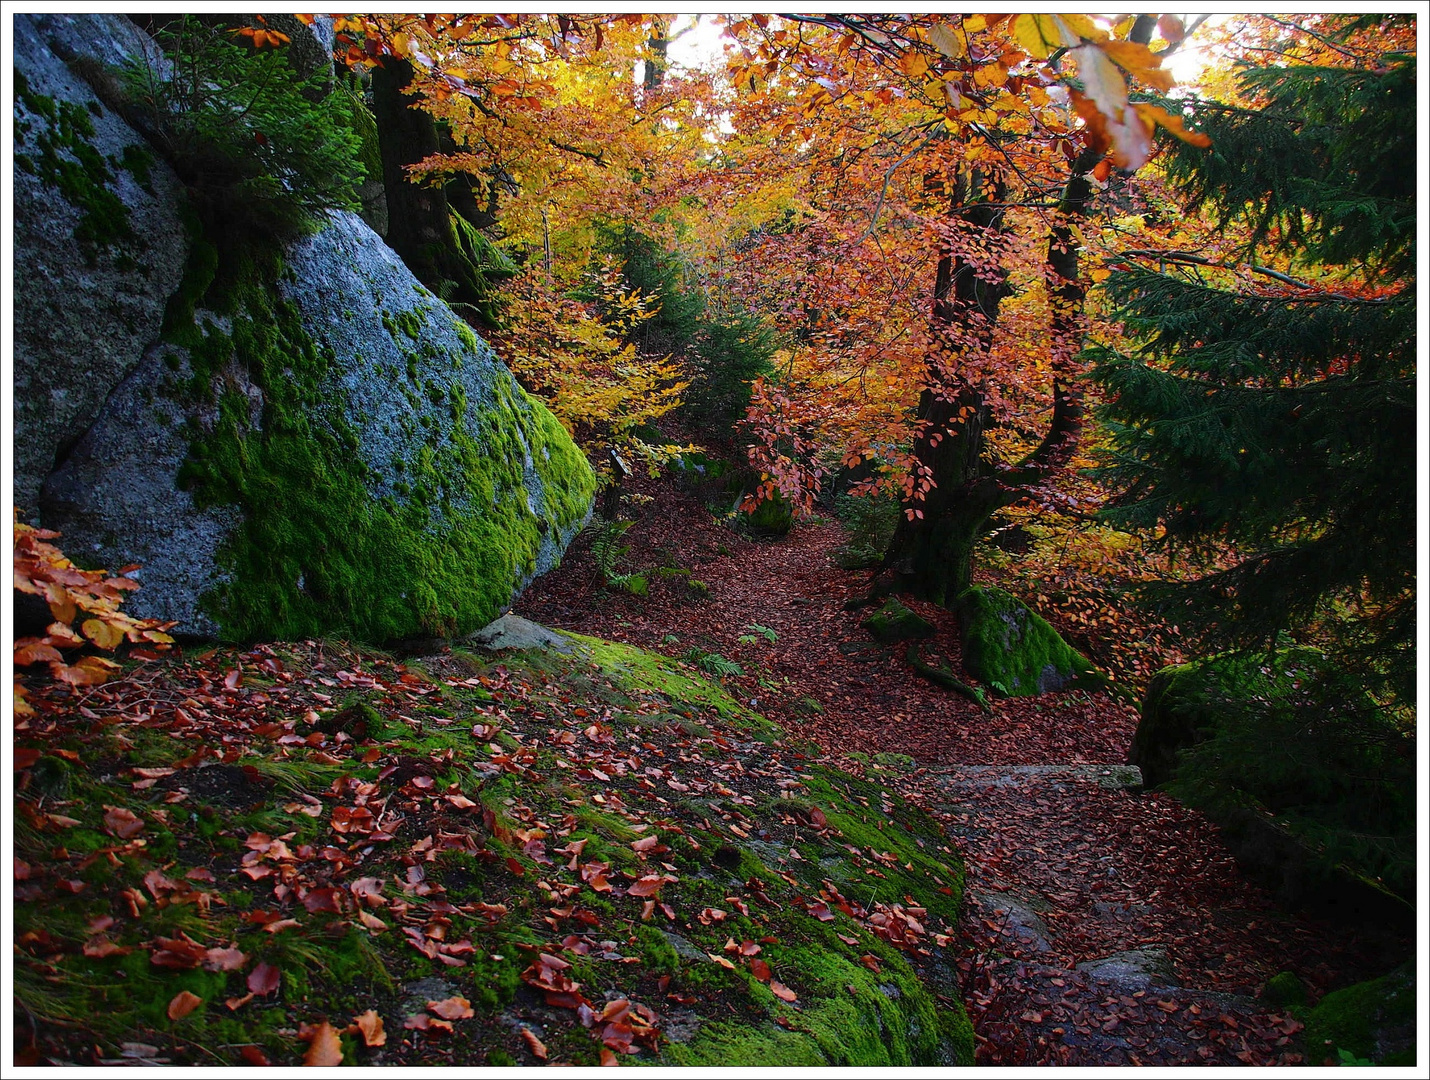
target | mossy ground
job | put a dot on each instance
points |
(486, 775)
(1373, 1022)
(327, 546)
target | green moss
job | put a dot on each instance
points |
(773, 517)
(895, 622)
(1373, 1020)
(1284, 989)
(316, 553)
(53, 141)
(1012, 648)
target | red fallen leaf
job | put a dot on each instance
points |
(370, 1025)
(177, 953)
(234, 679)
(25, 756)
(265, 979)
(318, 900)
(820, 911)
(645, 843)
(100, 946)
(608, 1058)
(514, 866)
(646, 886)
(1168, 1006)
(23, 870)
(122, 823)
(372, 922)
(783, 992)
(854, 940)
(326, 1048)
(537, 1047)
(239, 1002)
(254, 1056)
(721, 960)
(230, 959)
(872, 963)
(423, 1022)
(816, 815)
(760, 970)
(201, 873)
(182, 1004)
(452, 1008)
(280, 924)
(1032, 1017)
(749, 948)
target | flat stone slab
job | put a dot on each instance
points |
(514, 632)
(1135, 969)
(974, 777)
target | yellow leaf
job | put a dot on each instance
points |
(105, 635)
(1083, 27)
(974, 23)
(1039, 35)
(913, 64)
(990, 75)
(947, 40)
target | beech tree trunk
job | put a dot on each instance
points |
(420, 226)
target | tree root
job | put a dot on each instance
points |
(941, 676)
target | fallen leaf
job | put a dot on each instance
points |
(783, 992)
(370, 1025)
(122, 823)
(326, 1049)
(538, 1048)
(265, 979)
(452, 1008)
(760, 970)
(254, 1056)
(182, 1004)
(230, 959)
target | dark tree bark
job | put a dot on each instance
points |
(420, 216)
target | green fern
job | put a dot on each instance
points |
(756, 632)
(712, 663)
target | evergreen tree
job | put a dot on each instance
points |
(1264, 415)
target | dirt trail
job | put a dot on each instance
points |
(1105, 925)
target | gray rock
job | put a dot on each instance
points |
(514, 632)
(85, 309)
(116, 503)
(683, 947)
(1017, 922)
(1135, 969)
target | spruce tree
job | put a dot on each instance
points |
(1264, 415)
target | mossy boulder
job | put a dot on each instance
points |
(1012, 648)
(320, 446)
(1370, 1021)
(894, 622)
(1284, 989)
(773, 517)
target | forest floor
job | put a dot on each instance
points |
(1067, 869)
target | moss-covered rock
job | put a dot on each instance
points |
(773, 517)
(336, 450)
(1283, 989)
(894, 622)
(1371, 1021)
(1012, 648)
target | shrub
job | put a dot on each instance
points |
(262, 151)
(870, 521)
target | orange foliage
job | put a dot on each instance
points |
(93, 596)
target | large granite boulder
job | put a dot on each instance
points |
(290, 442)
(98, 244)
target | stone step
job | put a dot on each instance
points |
(967, 778)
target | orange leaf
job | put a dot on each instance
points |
(370, 1024)
(760, 970)
(537, 1047)
(452, 1008)
(326, 1049)
(123, 823)
(783, 992)
(182, 1004)
(1173, 122)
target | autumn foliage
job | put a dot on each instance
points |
(91, 596)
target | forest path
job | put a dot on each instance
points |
(1105, 925)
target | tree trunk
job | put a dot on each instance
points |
(420, 227)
